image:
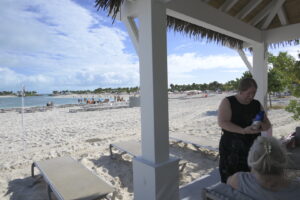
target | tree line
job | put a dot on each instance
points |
(18, 93)
(99, 91)
(283, 75)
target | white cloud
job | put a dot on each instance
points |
(292, 50)
(10, 80)
(189, 62)
(52, 43)
(193, 67)
(63, 45)
(234, 71)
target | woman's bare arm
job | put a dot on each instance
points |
(266, 124)
(224, 117)
(233, 181)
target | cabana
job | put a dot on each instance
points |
(254, 24)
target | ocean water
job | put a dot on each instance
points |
(16, 102)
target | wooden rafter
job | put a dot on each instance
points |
(227, 5)
(282, 16)
(263, 13)
(248, 8)
(272, 13)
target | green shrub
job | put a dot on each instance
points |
(294, 107)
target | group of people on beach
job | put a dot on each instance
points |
(106, 100)
(249, 162)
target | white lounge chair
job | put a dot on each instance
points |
(70, 180)
(193, 190)
(196, 141)
(133, 148)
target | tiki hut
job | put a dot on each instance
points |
(238, 24)
(257, 14)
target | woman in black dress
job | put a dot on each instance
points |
(235, 116)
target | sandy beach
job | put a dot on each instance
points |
(86, 136)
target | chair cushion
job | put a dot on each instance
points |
(221, 191)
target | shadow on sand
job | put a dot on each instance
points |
(121, 166)
(27, 189)
(118, 168)
(211, 113)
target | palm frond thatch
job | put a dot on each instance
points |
(285, 43)
(199, 32)
(113, 6)
(192, 30)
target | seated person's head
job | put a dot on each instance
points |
(267, 156)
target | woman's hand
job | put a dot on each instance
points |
(250, 130)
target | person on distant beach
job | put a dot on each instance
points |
(266, 181)
(235, 116)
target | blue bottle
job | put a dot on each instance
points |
(257, 120)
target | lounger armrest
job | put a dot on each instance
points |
(221, 191)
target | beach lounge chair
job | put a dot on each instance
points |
(70, 180)
(209, 187)
(133, 148)
(194, 189)
(196, 141)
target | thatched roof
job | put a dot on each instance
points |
(199, 32)
(290, 10)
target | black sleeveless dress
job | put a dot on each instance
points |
(234, 147)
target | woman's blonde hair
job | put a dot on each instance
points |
(267, 156)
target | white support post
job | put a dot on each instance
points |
(129, 11)
(260, 72)
(245, 59)
(133, 32)
(155, 174)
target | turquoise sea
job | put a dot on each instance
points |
(16, 102)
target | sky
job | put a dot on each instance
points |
(69, 45)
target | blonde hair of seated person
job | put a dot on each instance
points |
(267, 159)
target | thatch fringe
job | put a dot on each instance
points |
(284, 43)
(113, 6)
(192, 30)
(201, 33)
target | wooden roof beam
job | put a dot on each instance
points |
(282, 16)
(247, 9)
(272, 13)
(281, 34)
(201, 14)
(227, 5)
(263, 13)
(133, 31)
(245, 59)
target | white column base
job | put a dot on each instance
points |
(159, 182)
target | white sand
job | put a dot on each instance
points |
(6, 96)
(86, 136)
